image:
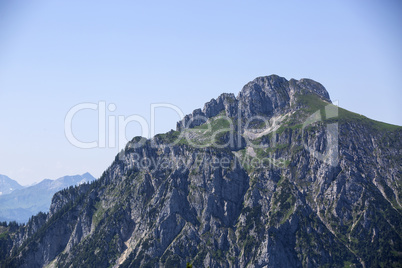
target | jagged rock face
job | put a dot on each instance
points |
(265, 96)
(277, 204)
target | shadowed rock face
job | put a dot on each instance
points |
(265, 95)
(277, 204)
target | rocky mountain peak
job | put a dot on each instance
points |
(314, 87)
(266, 95)
(267, 199)
(226, 101)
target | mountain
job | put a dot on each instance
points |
(8, 185)
(276, 176)
(22, 203)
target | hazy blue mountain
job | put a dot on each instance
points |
(21, 204)
(8, 185)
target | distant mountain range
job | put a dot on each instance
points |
(19, 203)
(8, 185)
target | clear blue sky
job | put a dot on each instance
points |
(56, 54)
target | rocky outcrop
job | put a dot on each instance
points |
(226, 103)
(264, 96)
